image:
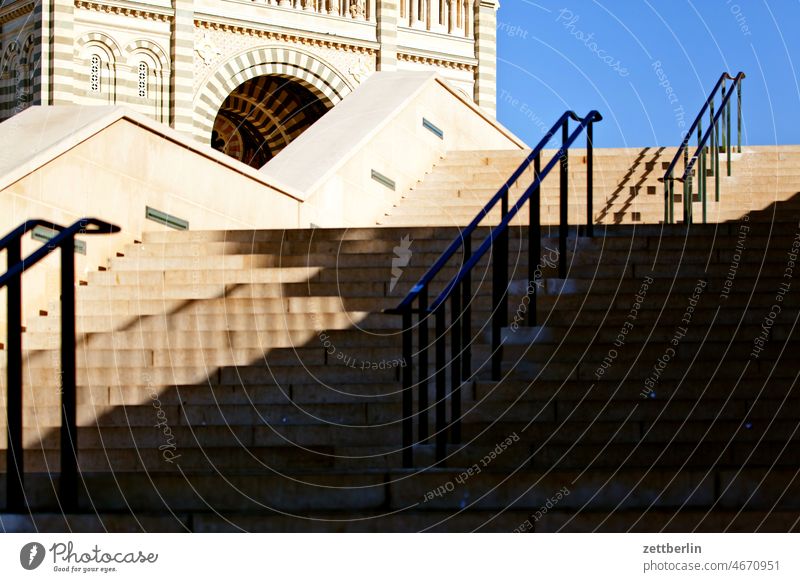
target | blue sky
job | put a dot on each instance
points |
(647, 65)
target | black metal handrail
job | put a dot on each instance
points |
(717, 144)
(459, 290)
(12, 280)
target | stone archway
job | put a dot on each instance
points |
(305, 69)
(262, 116)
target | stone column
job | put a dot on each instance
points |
(486, 53)
(435, 10)
(182, 67)
(388, 14)
(61, 67)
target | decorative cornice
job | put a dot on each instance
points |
(285, 36)
(436, 62)
(126, 9)
(16, 10)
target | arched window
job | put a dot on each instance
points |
(94, 74)
(143, 74)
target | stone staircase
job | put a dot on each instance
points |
(248, 380)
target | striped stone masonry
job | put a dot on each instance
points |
(388, 12)
(43, 51)
(486, 53)
(37, 54)
(182, 53)
(62, 46)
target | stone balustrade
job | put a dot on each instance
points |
(454, 17)
(355, 9)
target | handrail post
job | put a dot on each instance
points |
(701, 179)
(739, 114)
(687, 183)
(666, 200)
(704, 192)
(685, 147)
(714, 125)
(407, 401)
(455, 366)
(69, 434)
(715, 150)
(715, 153)
(466, 321)
(441, 383)
(590, 179)
(15, 460)
(534, 240)
(687, 202)
(423, 373)
(499, 293)
(725, 138)
(728, 124)
(563, 227)
(671, 200)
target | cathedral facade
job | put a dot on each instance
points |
(245, 76)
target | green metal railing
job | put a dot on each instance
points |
(714, 141)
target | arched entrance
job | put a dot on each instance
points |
(262, 116)
(282, 64)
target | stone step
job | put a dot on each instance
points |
(668, 521)
(646, 424)
(466, 210)
(175, 339)
(288, 236)
(584, 254)
(605, 237)
(220, 277)
(578, 334)
(663, 282)
(395, 234)
(645, 355)
(577, 163)
(228, 321)
(644, 521)
(608, 173)
(227, 305)
(588, 491)
(255, 261)
(524, 455)
(674, 372)
(255, 373)
(384, 244)
(313, 355)
(604, 389)
(235, 291)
